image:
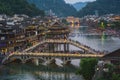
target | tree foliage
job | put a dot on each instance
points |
(110, 75)
(11, 7)
(102, 24)
(115, 25)
(115, 77)
(87, 67)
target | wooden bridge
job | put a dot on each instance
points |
(48, 56)
(67, 41)
(66, 56)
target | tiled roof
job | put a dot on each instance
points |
(115, 53)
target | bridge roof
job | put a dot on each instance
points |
(115, 53)
(57, 25)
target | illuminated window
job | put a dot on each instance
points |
(2, 38)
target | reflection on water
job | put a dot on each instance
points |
(98, 42)
(31, 72)
(103, 38)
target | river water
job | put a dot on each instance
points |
(98, 42)
(15, 71)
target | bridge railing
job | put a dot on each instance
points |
(78, 55)
(82, 46)
(58, 54)
(75, 43)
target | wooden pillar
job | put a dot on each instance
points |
(36, 61)
(67, 47)
(59, 48)
(64, 47)
(49, 47)
(54, 46)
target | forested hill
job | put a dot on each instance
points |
(59, 7)
(80, 5)
(11, 7)
(102, 6)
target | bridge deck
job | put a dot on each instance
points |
(57, 55)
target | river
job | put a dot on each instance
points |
(98, 42)
(17, 71)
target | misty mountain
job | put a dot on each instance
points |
(59, 7)
(78, 6)
(102, 7)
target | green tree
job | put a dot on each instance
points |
(87, 67)
(115, 76)
(115, 25)
(102, 78)
(11, 7)
(65, 21)
(103, 24)
(110, 75)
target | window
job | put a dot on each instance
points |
(2, 38)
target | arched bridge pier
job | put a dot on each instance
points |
(38, 58)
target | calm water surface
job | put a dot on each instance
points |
(98, 42)
(32, 72)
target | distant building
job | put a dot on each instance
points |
(10, 37)
(114, 58)
(50, 13)
(2, 17)
(116, 18)
(73, 22)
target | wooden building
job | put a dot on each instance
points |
(57, 31)
(11, 38)
(114, 58)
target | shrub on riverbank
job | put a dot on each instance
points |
(111, 74)
(87, 68)
(113, 77)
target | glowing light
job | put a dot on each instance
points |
(102, 25)
(103, 37)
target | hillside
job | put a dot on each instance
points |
(78, 6)
(102, 6)
(59, 7)
(11, 7)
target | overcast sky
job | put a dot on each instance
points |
(74, 1)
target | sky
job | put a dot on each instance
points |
(74, 1)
